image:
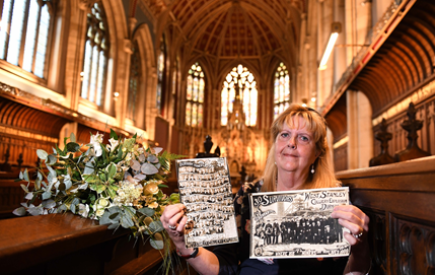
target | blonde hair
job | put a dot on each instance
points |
(315, 123)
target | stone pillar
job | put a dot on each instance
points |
(359, 130)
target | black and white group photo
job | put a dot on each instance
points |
(297, 224)
(205, 190)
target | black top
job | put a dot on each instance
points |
(234, 258)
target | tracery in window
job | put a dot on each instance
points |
(25, 32)
(281, 91)
(161, 73)
(242, 81)
(96, 55)
(195, 96)
(134, 82)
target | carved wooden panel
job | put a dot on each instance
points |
(399, 199)
(426, 140)
(11, 195)
(24, 145)
(378, 241)
(414, 246)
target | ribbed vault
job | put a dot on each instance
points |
(404, 61)
(221, 31)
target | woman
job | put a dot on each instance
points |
(299, 159)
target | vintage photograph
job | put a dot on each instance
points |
(298, 224)
(205, 190)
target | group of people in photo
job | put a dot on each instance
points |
(292, 230)
(222, 199)
(207, 195)
(226, 188)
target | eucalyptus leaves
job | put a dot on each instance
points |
(118, 184)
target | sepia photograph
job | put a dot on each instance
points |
(298, 224)
(205, 190)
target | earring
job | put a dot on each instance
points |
(312, 169)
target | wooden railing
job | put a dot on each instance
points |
(400, 201)
(70, 244)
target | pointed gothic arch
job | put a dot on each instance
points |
(281, 89)
(195, 96)
(147, 92)
(239, 85)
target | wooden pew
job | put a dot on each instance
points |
(400, 201)
(70, 244)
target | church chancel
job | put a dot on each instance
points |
(176, 71)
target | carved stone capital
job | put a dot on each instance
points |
(128, 46)
(85, 4)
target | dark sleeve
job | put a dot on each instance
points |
(228, 259)
(228, 255)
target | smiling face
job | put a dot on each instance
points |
(295, 148)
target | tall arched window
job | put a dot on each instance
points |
(281, 90)
(96, 54)
(240, 81)
(25, 33)
(134, 82)
(175, 81)
(195, 96)
(161, 75)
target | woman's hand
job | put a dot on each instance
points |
(353, 219)
(357, 222)
(174, 220)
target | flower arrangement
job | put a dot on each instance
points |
(118, 184)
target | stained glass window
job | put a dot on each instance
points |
(96, 54)
(195, 96)
(27, 20)
(242, 81)
(135, 80)
(161, 73)
(281, 90)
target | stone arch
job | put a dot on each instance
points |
(228, 67)
(118, 61)
(142, 36)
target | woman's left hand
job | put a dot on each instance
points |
(353, 219)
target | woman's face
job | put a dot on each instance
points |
(295, 148)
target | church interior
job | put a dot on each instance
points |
(176, 71)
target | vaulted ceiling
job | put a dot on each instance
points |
(232, 28)
(222, 31)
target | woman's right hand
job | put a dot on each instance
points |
(174, 220)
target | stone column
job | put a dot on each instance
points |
(359, 130)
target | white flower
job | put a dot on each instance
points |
(99, 212)
(96, 140)
(84, 210)
(97, 149)
(128, 193)
(103, 202)
(113, 143)
(128, 157)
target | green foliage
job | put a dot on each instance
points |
(113, 135)
(92, 182)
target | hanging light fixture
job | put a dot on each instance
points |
(335, 30)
